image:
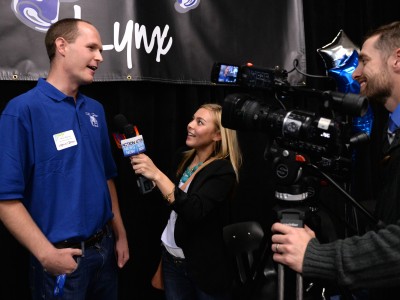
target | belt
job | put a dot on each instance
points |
(175, 259)
(90, 242)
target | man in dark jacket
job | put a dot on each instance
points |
(370, 261)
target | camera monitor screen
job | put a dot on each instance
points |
(228, 74)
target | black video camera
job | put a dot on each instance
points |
(323, 134)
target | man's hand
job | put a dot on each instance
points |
(289, 245)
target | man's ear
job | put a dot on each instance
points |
(60, 43)
(396, 64)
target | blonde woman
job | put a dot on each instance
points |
(194, 259)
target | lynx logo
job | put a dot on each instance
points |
(93, 120)
(38, 14)
(183, 6)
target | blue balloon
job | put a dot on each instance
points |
(364, 123)
(342, 75)
(346, 84)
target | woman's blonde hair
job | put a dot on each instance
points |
(228, 146)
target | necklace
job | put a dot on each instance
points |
(188, 172)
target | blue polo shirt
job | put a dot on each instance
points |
(55, 156)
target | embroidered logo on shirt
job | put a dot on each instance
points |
(93, 120)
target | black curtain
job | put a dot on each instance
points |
(161, 112)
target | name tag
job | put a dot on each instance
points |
(65, 140)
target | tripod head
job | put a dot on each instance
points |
(295, 190)
(297, 184)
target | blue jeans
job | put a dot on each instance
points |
(96, 277)
(178, 285)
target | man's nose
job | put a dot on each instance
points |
(357, 72)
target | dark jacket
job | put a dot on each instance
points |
(202, 213)
(388, 202)
(349, 261)
(388, 197)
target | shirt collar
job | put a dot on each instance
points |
(394, 119)
(57, 95)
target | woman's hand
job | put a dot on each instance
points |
(143, 165)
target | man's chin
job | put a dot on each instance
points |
(87, 81)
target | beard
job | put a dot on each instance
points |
(379, 88)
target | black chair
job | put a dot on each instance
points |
(255, 274)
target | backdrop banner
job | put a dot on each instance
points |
(174, 41)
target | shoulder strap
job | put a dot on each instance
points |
(183, 187)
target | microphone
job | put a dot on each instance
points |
(131, 145)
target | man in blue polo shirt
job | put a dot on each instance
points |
(57, 196)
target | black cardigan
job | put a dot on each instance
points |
(202, 213)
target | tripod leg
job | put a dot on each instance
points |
(281, 282)
(299, 286)
(295, 218)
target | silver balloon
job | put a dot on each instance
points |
(336, 53)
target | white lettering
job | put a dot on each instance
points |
(126, 40)
(326, 135)
(140, 36)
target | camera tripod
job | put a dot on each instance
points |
(292, 209)
(296, 200)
